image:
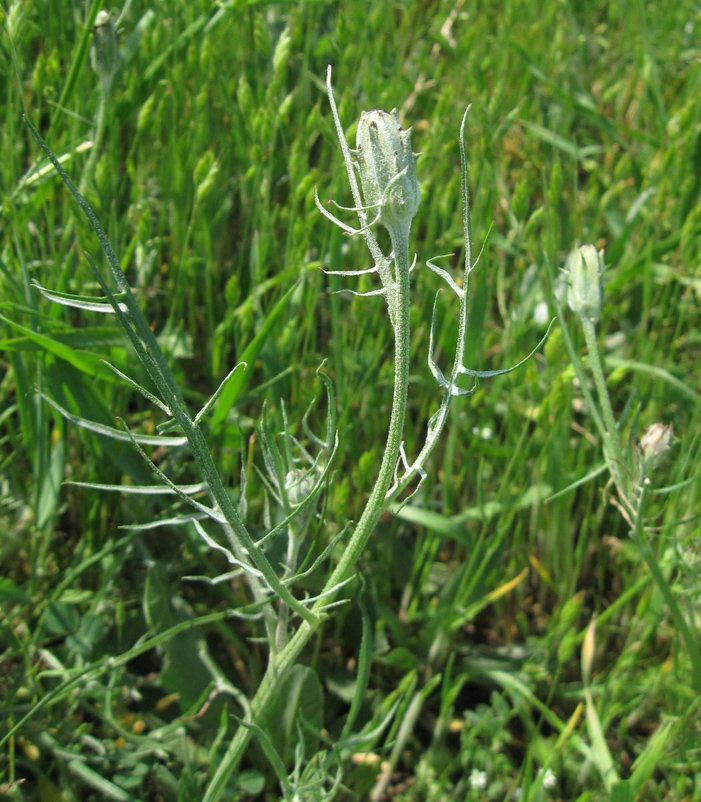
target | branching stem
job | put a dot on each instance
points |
(376, 505)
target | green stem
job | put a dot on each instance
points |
(293, 544)
(640, 537)
(592, 410)
(376, 504)
(374, 508)
(613, 437)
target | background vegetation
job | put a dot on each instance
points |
(586, 127)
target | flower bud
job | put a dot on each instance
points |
(298, 486)
(387, 168)
(104, 53)
(584, 267)
(654, 444)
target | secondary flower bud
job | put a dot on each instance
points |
(387, 168)
(298, 486)
(584, 267)
(654, 444)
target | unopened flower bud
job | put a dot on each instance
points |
(387, 168)
(104, 53)
(654, 444)
(584, 267)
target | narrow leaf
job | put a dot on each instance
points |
(115, 434)
(85, 302)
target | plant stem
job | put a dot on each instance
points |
(376, 505)
(613, 437)
(293, 544)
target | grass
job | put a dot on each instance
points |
(471, 628)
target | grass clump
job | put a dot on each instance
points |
(527, 624)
